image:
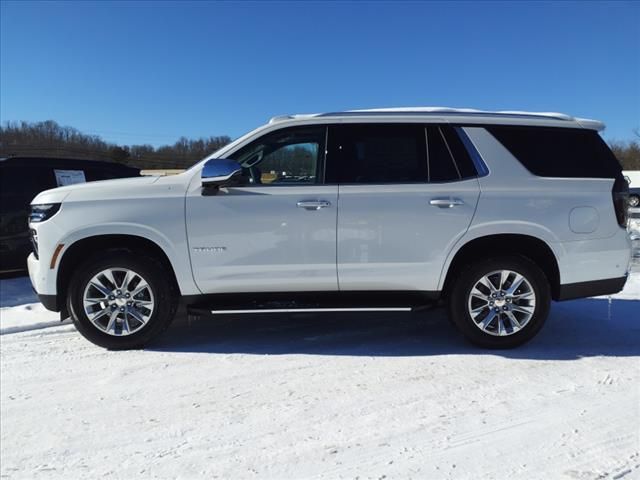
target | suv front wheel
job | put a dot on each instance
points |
(121, 299)
(501, 302)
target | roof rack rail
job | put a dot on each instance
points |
(446, 111)
(281, 118)
(437, 111)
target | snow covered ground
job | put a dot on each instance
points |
(323, 396)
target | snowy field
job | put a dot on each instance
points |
(323, 396)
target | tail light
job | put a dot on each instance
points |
(620, 195)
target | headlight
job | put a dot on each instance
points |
(42, 212)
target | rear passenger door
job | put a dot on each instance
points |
(407, 193)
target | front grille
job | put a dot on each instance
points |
(33, 236)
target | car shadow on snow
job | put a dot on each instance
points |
(574, 329)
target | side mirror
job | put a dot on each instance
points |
(218, 172)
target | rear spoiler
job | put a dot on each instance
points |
(590, 124)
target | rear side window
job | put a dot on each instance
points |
(559, 152)
(459, 152)
(442, 167)
(377, 153)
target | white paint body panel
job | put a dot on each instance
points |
(391, 238)
(270, 244)
(147, 207)
(584, 220)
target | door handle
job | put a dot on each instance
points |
(313, 204)
(448, 202)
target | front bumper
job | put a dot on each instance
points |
(43, 282)
(40, 276)
(50, 302)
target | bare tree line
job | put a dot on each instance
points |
(628, 153)
(52, 140)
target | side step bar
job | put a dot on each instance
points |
(313, 310)
(309, 302)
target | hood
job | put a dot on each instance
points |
(58, 195)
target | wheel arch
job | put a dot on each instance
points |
(84, 247)
(528, 246)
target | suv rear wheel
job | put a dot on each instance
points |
(501, 302)
(121, 300)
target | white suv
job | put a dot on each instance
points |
(496, 213)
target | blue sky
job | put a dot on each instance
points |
(151, 72)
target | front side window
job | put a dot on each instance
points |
(377, 153)
(291, 156)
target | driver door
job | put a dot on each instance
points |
(275, 232)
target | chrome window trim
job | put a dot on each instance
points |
(481, 167)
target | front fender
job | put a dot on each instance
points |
(177, 253)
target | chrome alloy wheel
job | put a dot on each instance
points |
(118, 301)
(501, 303)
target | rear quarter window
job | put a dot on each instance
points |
(559, 152)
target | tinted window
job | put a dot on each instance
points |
(25, 182)
(459, 151)
(442, 167)
(288, 156)
(559, 152)
(375, 153)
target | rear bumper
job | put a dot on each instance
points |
(593, 288)
(594, 260)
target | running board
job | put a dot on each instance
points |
(313, 310)
(309, 302)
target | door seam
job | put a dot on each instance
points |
(337, 222)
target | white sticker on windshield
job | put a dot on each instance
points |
(69, 177)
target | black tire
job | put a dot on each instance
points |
(466, 279)
(634, 201)
(160, 282)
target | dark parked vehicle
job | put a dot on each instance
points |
(22, 178)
